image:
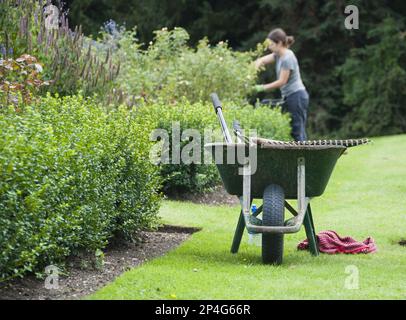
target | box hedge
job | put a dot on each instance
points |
(72, 175)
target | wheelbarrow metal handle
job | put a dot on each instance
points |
(303, 202)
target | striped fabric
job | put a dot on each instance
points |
(330, 242)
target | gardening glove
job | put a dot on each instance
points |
(259, 88)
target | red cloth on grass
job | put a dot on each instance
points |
(330, 242)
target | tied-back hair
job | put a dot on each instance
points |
(278, 35)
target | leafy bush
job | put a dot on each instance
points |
(179, 178)
(170, 69)
(20, 78)
(183, 177)
(71, 177)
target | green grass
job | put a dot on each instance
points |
(365, 197)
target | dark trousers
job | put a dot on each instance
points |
(297, 104)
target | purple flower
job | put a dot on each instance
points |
(110, 26)
(3, 50)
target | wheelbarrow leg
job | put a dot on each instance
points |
(239, 231)
(310, 231)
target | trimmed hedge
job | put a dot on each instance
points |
(71, 176)
(269, 122)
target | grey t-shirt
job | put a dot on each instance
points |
(289, 61)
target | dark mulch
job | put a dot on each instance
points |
(217, 196)
(82, 279)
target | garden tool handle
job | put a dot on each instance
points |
(237, 130)
(216, 101)
(217, 107)
(237, 127)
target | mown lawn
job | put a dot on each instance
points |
(366, 196)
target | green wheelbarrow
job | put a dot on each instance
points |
(275, 171)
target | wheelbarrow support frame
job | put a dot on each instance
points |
(303, 215)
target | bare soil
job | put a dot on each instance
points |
(218, 196)
(82, 278)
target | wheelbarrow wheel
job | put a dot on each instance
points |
(273, 215)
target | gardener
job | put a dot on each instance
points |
(294, 94)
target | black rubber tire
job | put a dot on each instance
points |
(273, 214)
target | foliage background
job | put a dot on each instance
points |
(345, 101)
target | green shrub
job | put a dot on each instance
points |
(170, 69)
(182, 177)
(179, 178)
(269, 122)
(71, 177)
